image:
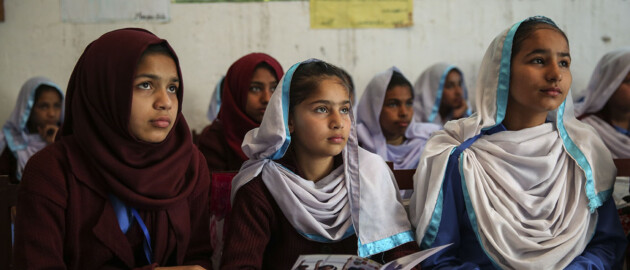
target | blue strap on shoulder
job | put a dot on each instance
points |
(123, 215)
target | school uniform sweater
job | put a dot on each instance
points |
(64, 222)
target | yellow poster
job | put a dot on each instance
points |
(361, 13)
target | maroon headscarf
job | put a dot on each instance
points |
(102, 151)
(232, 114)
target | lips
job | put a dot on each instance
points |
(336, 139)
(161, 122)
(552, 91)
(402, 124)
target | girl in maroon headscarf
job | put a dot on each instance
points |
(123, 186)
(247, 88)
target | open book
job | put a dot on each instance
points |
(353, 262)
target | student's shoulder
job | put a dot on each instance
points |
(45, 173)
(370, 160)
(255, 191)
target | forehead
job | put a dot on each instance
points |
(398, 92)
(546, 39)
(330, 89)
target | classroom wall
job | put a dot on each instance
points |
(209, 37)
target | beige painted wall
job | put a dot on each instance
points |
(209, 37)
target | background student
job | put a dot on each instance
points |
(605, 104)
(247, 87)
(440, 94)
(32, 125)
(384, 118)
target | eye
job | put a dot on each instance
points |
(144, 85)
(345, 110)
(538, 61)
(321, 109)
(565, 63)
(172, 89)
(391, 104)
(254, 89)
(409, 103)
(273, 88)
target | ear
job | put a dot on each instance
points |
(291, 126)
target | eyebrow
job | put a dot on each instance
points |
(155, 77)
(543, 51)
(328, 102)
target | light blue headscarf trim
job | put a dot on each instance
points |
(286, 86)
(595, 199)
(438, 95)
(386, 244)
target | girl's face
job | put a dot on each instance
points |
(260, 89)
(540, 76)
(452, 94)
(621, 98)
(321, 123)
(47, 108)
(154, 104)
(396, 112)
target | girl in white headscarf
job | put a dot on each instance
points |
(605, 104)
(521, 184)
(440, 94)
(384, 120)
(32, 124)
(308, 188)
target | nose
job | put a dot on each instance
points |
(404, 110)
(553, 73)
(336, 121)
(265, 96)
(162, 100)
(458, 90)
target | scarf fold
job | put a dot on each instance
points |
(532, 194)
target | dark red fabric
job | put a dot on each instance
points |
(219, 156)
(63, 223)
(98, 105)
(234, 98)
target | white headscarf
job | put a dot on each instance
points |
(609, 73)
(337, 206)
(15, 133)
(531, 195)
(215, 101)
(370, 133)
(428, 92)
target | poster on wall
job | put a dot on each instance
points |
(361, 13)
(96, 11)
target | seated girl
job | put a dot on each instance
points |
(441, 95)
(385, 125)
(32, 125)
(247, 87)
(308, 188)
(123, 187)
(606, 102)
(522, 184)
